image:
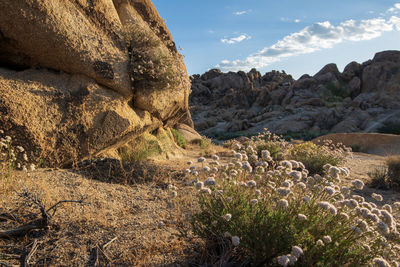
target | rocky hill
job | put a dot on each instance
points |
(362, 98)
(78, 78)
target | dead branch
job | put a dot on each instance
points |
(54, 207)
(40, 223)
(22, 230)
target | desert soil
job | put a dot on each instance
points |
(146, 225)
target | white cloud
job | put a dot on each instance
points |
(243, 12)
(286, 19)
(318, 36)
(235, 40)
(395, 9)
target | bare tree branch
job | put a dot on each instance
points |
(38, 223)
(54, 207)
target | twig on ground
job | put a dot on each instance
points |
(109, 242)
(104, 254)
(31, 253)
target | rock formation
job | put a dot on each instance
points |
(360, 98)
(78, 77)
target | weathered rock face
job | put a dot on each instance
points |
(71, 80)
(360, 99)
(66, 117)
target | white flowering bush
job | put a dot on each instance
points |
(11, 157)
(151, 64)
(276, 146)
(270, 213)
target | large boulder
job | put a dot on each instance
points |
(351, 70)
(78, 77)
(84, 37)
(63, 118)
(383, 74)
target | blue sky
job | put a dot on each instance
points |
(297, 36)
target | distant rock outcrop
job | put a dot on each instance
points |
(78, 77)
(360, 98)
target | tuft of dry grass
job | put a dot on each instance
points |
(393, 164)
(387, 176)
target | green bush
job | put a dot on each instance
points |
(276, 145)
(179, 138)
(274, 148)
(333, 93)
(139, 150)
(257, 217)
(315, 157)
(202, 143)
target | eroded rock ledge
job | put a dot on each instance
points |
(72, 75)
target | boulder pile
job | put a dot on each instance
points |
(361, 98)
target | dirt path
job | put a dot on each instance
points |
(360, 164)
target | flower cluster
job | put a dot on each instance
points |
(266, 208)
(13, 156)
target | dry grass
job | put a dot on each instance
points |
(387, 176)
(393, 164)
(132, 213)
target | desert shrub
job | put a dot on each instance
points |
(139, 150)
(205, 146)
(379, 178)
(389, 128)
(202, 143)
(393, 164)
(387, 176)
(269, 215)
(7, 161)
(333, 93)
(223, 136)
(274, 144)
(12, 157)
(179, 138)
(314, 157)
(303, 135)
(356, 148)
(274, 148)
(151, 63)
